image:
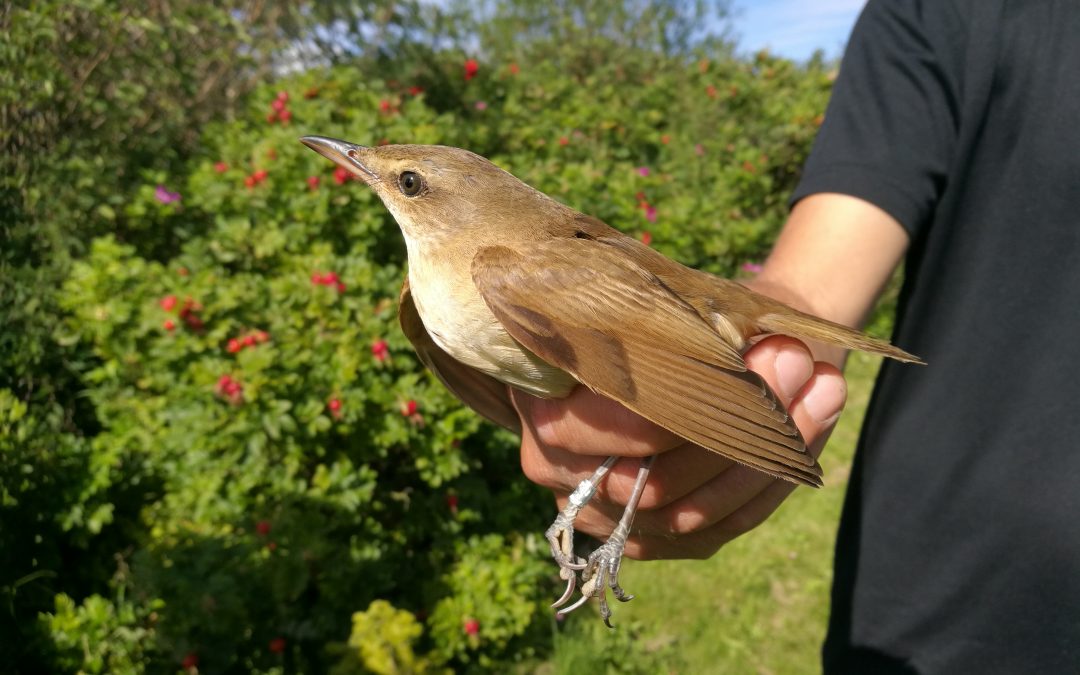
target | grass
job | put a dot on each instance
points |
(758, 606)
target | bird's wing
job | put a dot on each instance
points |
(591, 311)
(481, 392)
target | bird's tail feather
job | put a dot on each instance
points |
(805, 326)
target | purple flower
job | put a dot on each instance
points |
(751, 267)
(481, 105)
(643, 171)
(164, 196)
(650, 214)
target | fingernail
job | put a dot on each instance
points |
(821, 403)
(793, 368)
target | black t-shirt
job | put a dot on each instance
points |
(959, 546)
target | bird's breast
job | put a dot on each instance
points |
(462, 325)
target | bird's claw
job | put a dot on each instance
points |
(601, 573)
(561, 538)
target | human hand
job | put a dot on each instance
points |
(695, 500)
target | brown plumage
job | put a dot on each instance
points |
(508, 286)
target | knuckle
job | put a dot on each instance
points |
(686, 521)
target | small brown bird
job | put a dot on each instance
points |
(507, 286)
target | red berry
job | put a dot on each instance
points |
(330, 278)
(233, 346)
(384, 105)
(260, 175)
(563, 140)
(471, 69)
(334, 405)
(313, 182)
(262, 527)
(230, 389)
(452, 501)
(283, 96)
(665, 139)
(471, 626)
(249, 181)
(278, 105)
(416, 91)
(277, 645)
(262, 336)
(380, 350)
(168, 303)
(409, 408)
(646, 238)
(710, 91)
(271, 118)
(341, 175)
(285, 116)
(169, 325)
(317, 277)
(340, 287)
(514, 69)
(191, 660)
(221, 167)
(249, 340)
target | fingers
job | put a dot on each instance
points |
(813, 393)
(592, 425)
(695, 500)
(704, 543)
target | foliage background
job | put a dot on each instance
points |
(312, 500)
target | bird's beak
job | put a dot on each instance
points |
(342, 153)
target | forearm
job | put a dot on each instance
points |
(832, 259)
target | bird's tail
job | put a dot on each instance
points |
(804, 326)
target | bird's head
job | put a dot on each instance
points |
(435, 191)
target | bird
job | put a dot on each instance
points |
(508, 287)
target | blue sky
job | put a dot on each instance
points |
(795, 28)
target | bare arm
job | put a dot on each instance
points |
(833, 258)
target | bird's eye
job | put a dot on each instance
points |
(410, 183)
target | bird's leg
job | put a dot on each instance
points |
(561, 533)
(602, 568)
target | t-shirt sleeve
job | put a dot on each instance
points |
(891, 124)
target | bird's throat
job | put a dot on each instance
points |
(462, 325)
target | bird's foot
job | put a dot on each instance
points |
(561, 533)
(561, 538)
(601, 573)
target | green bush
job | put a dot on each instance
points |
(237, 445)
